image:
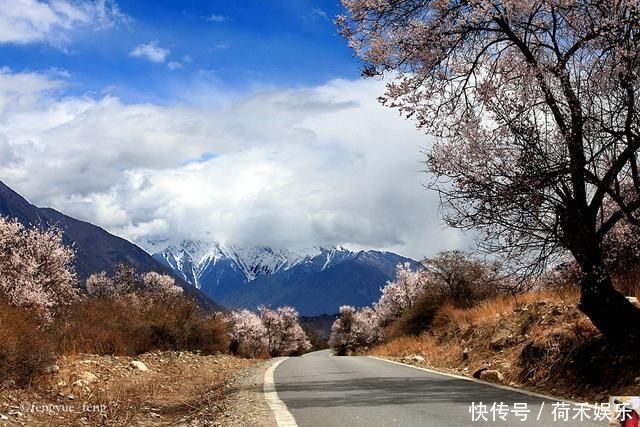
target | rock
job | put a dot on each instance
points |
(51, 369)
(79, 383)
(348, 352)
(501, 338)
(136, 364)
(87, 377)
(634, 301)
(415, 359)
(465, 353)
(477, 373)
(491, 375)
(16, 414)
(636, 380)
(4, 418)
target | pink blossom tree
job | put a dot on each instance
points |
(127, 283)
(399, 295)
(355, 329)
(247, 332)
(100, 285)
(534, 106)
(36, 268)
(284, 333)
(160, 286)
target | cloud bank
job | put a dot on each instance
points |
(28, 21)
(322, 165)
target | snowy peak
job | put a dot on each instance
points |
(258, 261)
(193, 258)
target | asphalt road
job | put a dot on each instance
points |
(322, 390)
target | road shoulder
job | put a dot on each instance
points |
(245, 404)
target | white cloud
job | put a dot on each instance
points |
(28, 21)
(216, 18)
(150, 51)
(174, 65)
(322, 165)
(317, 13)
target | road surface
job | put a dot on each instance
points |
(323, 390)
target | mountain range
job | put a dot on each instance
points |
(314, 281)
(96, 249)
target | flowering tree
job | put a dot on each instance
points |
(100, 285)
(160, 286)
(36, 269)
(283, 331)
(355, 329)
(535, 108)
(127, 283)
(248, 333)
(399, 295)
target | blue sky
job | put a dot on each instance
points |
(235, 44)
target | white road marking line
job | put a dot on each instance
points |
(475, 380)
(284, 418)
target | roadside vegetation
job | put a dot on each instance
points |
(51, 323)
(535, 338)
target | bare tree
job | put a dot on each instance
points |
(462, 279)
(534, 108)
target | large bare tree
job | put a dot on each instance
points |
(534, 108)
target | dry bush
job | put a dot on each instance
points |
(118, 326)
(25, 348)
(417, 319)
(101, 326)
(180, 325)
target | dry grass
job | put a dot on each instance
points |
(178, 388)
(489, 310)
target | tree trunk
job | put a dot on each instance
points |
(608, 309)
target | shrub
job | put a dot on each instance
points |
(118, 326)
(25, 348)
(418, 318)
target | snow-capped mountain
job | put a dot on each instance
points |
(247, 277)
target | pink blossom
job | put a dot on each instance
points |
(36, 269)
